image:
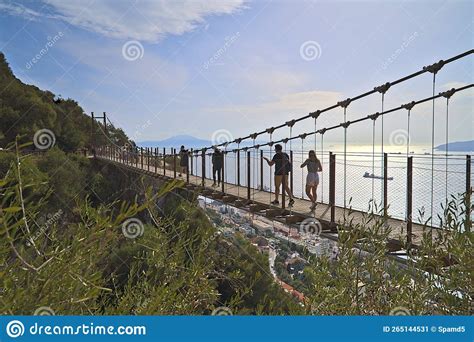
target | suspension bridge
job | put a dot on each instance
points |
(394, 186)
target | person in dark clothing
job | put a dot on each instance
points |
(183, 160)
(281, 160)
(217, 161)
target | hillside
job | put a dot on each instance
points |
(25, 109)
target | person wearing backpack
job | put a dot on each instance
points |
(283, 166)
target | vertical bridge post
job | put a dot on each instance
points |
(141, 157)
(385, 185)
(187, 166)
(468, 194)
(332, 186)
(291, 172)
(192, 159)
(261, 170)
(174, 163)
(409, 213)
(248, 175)
(203, 166)
(238, 167)
(164, 161)
(222, 171)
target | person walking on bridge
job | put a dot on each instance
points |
(312, 179)
(281, 160)
(217, 161)
(183, 160)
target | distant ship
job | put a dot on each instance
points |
(371, 175)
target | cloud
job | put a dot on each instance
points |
(148, 21)
(286, 107)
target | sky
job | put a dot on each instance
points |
(223, 69)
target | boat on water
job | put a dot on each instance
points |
(371, 175)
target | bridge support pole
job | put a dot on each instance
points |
(409, 213)
(385, 185)
(248, 175)
(191, 160)
(141, 157)
(203, 166)
(187, 167)
(148, 152)
(468, 194)
(222, 172)
(164, 161)
(238, 167)
(261, 170)
(156, 159)
(332, 186)
(291, 173)
(174, 163)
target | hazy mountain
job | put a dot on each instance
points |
(459, 146)
(187, 140)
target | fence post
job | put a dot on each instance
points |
(248, 175)
(174, 163)
(164, 161)
(148, 150)
(238, 167)
(468, 194)
(409, 213)
(385, 185)
(222, 171)
(187, 166)
(156, 159)
(203, 166)
(332, 186)
(291, 173)
(192, 159)
(261, 170)
(141, 157)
